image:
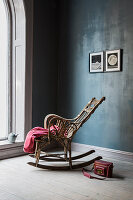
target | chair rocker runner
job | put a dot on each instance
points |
(62, 130)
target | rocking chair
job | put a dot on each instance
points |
(63, 132)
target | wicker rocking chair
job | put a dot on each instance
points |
(64, 130)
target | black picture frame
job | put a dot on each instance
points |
(113, 60)
(96, 62)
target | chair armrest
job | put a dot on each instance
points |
(50, 116)
(63, 128)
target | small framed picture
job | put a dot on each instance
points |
(96, 62)
(113, 60)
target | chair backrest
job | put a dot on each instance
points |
(66, 128)
(84, 115)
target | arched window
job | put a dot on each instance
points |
(12, 76)
(4, 59)
(18, 49)
(16, 19)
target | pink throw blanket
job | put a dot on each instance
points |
(29, 146)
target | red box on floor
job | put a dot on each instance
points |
(103, 168)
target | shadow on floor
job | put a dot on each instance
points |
(118, 176)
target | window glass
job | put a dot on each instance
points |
(3, 71)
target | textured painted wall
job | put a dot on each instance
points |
(44, 60)
(87, 26)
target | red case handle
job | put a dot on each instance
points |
(85, 173)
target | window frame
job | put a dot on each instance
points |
(8, 68)
(11, 150)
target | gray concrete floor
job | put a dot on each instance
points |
(19, 181)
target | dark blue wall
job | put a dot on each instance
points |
(87, 26)
(45, 55)
(65, 32)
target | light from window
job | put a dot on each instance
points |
(3, 71)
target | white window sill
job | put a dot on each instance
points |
(6, 143)
(8, 150)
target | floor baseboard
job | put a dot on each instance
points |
(104, 152)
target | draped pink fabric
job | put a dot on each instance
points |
(29, 146)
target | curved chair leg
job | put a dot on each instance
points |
(70, 156)
(77, 166)
(37, 153)
(38, 156)
(65, 152)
